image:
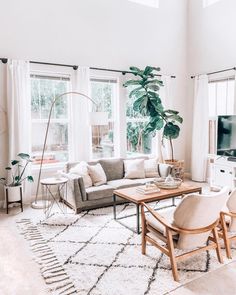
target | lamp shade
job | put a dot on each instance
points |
(98, 118)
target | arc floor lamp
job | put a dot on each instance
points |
(99, 118)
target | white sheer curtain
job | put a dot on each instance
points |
(81, 131)
(166, 98)
(200, 132)
(19, 112)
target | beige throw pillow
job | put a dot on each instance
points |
(81, 169)
(134, 168)
(151, 168)
(97, 174)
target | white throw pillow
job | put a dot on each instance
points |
(81, 169)
(134, 168)
(151, 168)
(97, 174)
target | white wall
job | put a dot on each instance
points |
(104, 33)
(211, 45)
(211, 36)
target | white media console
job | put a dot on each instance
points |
(223, 172)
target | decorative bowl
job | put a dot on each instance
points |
(168, 184)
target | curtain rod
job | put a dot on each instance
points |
(216, 72)
(4, 60)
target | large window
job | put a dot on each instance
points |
(221, 102)
(104, 93)
(138, 143)
(43, 90)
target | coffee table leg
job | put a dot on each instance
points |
(173, 201)
(138, 219)
(114, 206)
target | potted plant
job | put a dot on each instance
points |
(148, 103)
(17, 170)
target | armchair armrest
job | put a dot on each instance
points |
(230, 214)
(169, 226)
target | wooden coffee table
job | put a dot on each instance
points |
(133, 196)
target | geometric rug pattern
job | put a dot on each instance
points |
(91, 254)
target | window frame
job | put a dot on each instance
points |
(103, 78)
(53, 74)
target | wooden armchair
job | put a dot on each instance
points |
(228, 223)
(187, 228)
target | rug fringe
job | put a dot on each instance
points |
(53, 272)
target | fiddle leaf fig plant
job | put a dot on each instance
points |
(147, 102)
(17, 169)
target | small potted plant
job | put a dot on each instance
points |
(17, 171)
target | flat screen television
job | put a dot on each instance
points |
(226, 136)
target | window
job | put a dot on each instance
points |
(104, 93)
(151, 3)
(137, 142)
(221, 102)
(43, 90)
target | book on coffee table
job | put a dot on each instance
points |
(147, 190)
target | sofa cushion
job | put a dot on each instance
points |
(99, 192)
(123, 183)
(113, 168)
(81, 169)
(151, 168)
(97, 174)
(134, 168)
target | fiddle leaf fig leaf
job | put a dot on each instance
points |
(171, 131)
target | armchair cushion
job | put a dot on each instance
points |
(191, 213)
(231, 205)
(154, 223)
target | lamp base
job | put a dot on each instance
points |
(40, 204)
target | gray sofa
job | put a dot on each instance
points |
(99, 196)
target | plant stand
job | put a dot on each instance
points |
(8, 201)
(178, 168)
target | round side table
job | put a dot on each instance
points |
(54, 190)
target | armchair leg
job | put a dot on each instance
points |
(225, 238)
(144, 230)
(218, 249)
(173, 263)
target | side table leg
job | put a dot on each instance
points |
(7, 199)
(21, 199)
(138, 219)
(114, 206)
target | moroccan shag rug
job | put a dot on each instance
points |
(91, 254)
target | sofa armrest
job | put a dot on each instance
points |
(76, 193)
(164, 169)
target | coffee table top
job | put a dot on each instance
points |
(134, 196)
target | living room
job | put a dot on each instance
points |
(117, 109)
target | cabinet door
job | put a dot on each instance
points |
(223, 175)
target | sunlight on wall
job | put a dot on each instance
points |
(209, 2)
(151, 3)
